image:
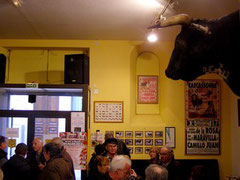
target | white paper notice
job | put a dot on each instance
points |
(78, 121)
(12, 132)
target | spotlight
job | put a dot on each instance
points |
(152, 37)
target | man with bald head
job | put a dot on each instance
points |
(175, 170)
(36, 158)
(64, 154)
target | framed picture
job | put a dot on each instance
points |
(129, 142)
(158, 134)
(148, 134)
(128, 134)
(148, 142)
(147, 150)
(138, 134)
(119, 134)
(170, 139)
(147, 89)
(138, 142)
(108, 111)
(158, 142)
(110, 132)
(138, 150)
(131, 150)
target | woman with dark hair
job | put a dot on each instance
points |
(101, 172)
(56, 167)
(3, 154)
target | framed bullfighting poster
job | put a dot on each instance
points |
(203, 117)
(147, 89)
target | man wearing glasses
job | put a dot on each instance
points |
(175, 170)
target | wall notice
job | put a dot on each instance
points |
(203, 117)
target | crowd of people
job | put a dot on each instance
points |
(48, 162)
(110, 161)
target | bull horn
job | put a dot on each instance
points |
(181, 19)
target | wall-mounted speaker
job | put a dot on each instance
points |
(2, 68)
(76, 70)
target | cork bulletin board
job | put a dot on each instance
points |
(108, 111)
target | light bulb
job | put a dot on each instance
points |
(152, 37)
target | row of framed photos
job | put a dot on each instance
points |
(147, 142)
(139, 150)
(137, 134)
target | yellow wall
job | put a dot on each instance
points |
(113, 73)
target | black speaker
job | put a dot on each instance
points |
(2, 68)
(31, 98)
(76, 69)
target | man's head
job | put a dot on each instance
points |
(156, 172)
(21, 149)
(37, 144)
(120, 167)
(3, 142)
(58, 141)
(166, 154)
(111, 146)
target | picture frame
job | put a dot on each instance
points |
(130, 150)
(138, 134)
(138, 150)
(119, 134)
(158, 134)
(170, 137)
(147, 150)
(147, 89)
(138, 142)
(148, 142)
(158, 142)
(108, 111)
(110, 132)
(129, 142)
(149, 134)
(128, 134)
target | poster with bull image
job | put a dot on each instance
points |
(203, 117)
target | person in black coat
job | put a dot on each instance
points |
(17, 167)
(175, 169)
(3, 154)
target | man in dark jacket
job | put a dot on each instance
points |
(17, 166)
(175, 170)
(3, 154)
(36, 158)
(58, 141)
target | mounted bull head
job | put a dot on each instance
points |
(205, 47)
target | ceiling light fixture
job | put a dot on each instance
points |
(152, 37)
(17, 3)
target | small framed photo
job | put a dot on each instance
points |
(138, 134)
(158, 142)
(138, 142)
(147, 150)
(129, 142)
(128, 134)
(110, 132)
(158, 134)
(148, 134)
(170, 137)
(130, 150)
(148, 142)
(138, 150)
(119, 134)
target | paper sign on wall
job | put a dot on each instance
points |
(12, 132)
(78, 122)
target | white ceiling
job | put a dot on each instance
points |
(97, 19)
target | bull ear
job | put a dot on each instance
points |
(202, 28)
(181, 19)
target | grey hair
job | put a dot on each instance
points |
(58, 141)
(119, 162)
(170, 150)
(156, 172)
(39, 139)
